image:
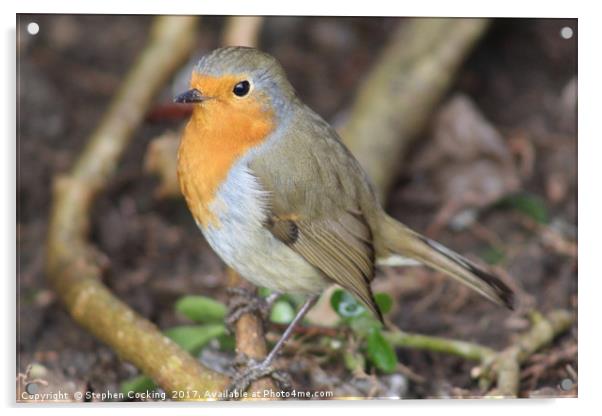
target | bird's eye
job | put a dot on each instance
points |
(242, 88)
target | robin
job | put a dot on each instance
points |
(280, 198)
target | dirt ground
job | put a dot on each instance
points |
(521, 77)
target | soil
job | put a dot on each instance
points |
(521, 77)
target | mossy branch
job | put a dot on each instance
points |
(74, 266)
(466, 350)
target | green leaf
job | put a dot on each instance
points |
(282, 312)
(138, 384)
(345, 305)
(335, 299)
(384, 302)
(264, 292)
(193, 338)
(380, 352)
(528, 204)
(201, 309)
(226, 342)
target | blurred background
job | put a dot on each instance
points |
(492, 173)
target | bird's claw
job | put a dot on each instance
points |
(247, 370)
(243, 301)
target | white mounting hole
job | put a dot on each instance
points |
(33, 28)
(566, 32)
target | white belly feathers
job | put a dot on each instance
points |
(244, 244)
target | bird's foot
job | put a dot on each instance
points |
(247, 370)
(243, 301)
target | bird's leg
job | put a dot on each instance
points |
(255, 370)
(243, 301)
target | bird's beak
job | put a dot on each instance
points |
(190, 96)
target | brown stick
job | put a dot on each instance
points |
(74, 266)
(250, 336)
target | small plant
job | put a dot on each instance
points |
(368, 330)
(208, 317)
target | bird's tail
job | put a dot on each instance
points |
(400, 240)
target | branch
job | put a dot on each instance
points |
(250, 336)
(503, 366)
(74, 266)
(506, 365)
(397, 98)
(466, 350)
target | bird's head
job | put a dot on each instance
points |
(238, 82)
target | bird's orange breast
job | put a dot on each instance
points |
(219, 133)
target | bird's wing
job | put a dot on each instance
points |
(315, 207)
(341, 248)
